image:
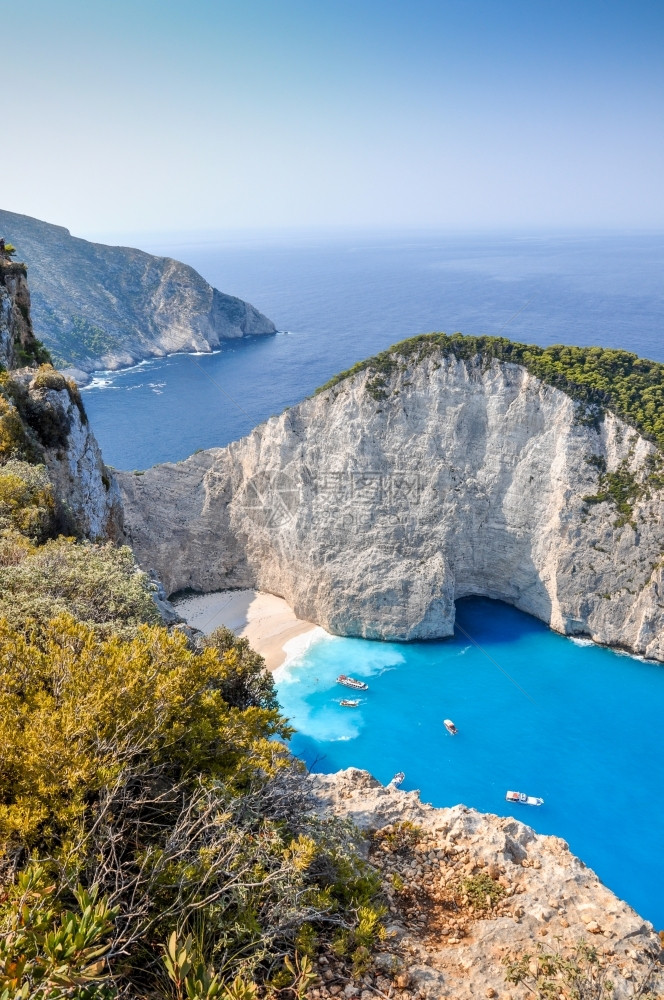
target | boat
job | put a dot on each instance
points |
(351, 682)
(349, 703)
(398, 778)
(526, 800)
(450, 727)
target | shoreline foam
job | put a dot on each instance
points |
(297, 646)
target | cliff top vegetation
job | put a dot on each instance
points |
(600, 378)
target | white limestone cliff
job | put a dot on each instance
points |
(371, 516)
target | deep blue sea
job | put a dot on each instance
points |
(342, 298)
(587, 734)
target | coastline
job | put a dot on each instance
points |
(271, 626)
(92, 378)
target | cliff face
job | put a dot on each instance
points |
(446, 946)
(86, 490)
(97, 306)
(371, 516)
(17, 339)
(42, 418)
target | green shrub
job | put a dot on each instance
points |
(77, 710)
(124, 765)
(573, 974)
(48, 378)
(400, 837)
(14, 442)
(190, 977)
(246, 681)
(95, 584)
(358, 942)
(31, 352)
(48, 952)
(14, 548)
(26, 500)
(483, 891)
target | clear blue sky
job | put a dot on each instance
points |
(123, 115)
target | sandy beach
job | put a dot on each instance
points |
(265, 620)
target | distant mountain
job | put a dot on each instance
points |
(97, 306)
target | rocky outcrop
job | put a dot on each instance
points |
(59, 436)
(444, 936)
(42, 419)
(97, 306)
(371, 513)
(18, 344)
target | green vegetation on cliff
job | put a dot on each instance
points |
(80, 341)
(154, 833)
(598, 378)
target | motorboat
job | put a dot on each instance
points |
(450, 727)
(526, 800)
(398, 778)
(349, 703)
(352, 682)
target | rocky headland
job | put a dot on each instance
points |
(468, 892)
(434, 473)
(97, 306)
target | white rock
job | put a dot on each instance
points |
(371, 517)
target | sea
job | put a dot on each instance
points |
(336, 299)
(578, 725)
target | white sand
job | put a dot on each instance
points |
(265, 620)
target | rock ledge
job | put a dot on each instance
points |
(442, 943)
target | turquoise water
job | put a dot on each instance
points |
(577, 724)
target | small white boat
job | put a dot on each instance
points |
(398, 778)
(450, 727)
(349, 703)
(352, 682)
(526, 800)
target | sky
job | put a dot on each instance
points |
(162, 116)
